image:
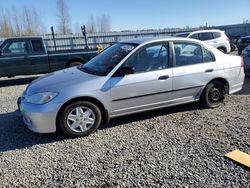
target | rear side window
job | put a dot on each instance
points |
(206, 36)
(37, 45)
(207, 56)
(187, 53)
(217, 35)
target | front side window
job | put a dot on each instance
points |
(194, 36)
(187, 53)
(150, 58)
(15, 48)
(106, 61)
(206, 36)
(184, 35)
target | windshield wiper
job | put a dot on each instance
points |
(86, 69)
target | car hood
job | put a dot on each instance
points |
(56, 81)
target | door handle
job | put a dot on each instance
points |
(209, 70)
(165, 77)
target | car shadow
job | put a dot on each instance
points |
(15, 135)
(151, 114)
(17, 81)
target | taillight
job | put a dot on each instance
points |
(242, 62)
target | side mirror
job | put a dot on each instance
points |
(123, 71)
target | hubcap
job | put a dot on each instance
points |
(214, 95)
(81, 119)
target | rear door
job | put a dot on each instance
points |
(13, 60)
(194, 67)
(38, 58)
(151, 84)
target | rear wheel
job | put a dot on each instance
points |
(75, 63)
(213, 95)
(222, 50)
(80, 119)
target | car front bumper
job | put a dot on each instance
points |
(39, 118)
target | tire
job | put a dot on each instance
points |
(223, 50)
(213, 95)
(78, 123)
(75, 63)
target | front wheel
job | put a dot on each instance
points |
(80, 119)
(213, 95)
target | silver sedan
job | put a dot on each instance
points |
(129, 77)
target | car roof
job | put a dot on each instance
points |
(245, 37)
(23, 37)
(139, 41)
(183, 33)
(206, 30)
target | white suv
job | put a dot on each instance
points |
(215, 37)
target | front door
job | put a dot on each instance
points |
(149, 86)
(13, 60)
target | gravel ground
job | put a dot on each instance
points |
(173, 147)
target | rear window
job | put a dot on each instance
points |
(37, 45)
(206, 36)
(217, 35)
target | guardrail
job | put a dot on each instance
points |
(76, 41)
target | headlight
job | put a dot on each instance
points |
(40, 98)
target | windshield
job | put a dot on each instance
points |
(184, 35)
(103, 63)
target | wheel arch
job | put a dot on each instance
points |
(76, 59)
(223, 48)
(222, 80)
(104, 112)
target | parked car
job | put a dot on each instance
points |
(28, 55)
(246, 56)
(130, 77)
(184, 34)
(215, 37)
(242, 43)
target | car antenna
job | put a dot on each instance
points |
(53, 35)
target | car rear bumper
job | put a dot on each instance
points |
(237, 82)
(247, 65)
(39, 118)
